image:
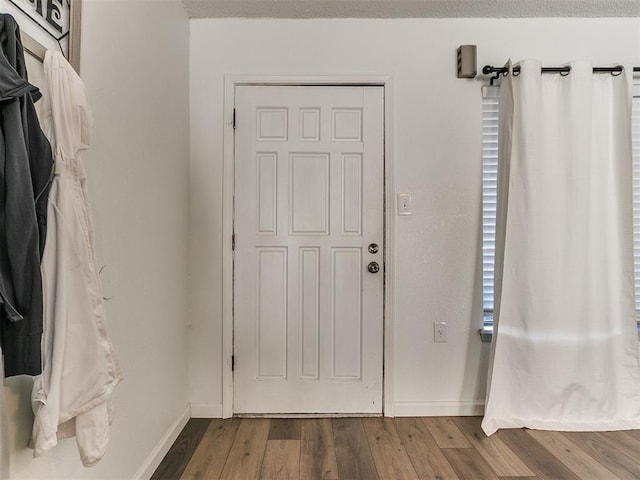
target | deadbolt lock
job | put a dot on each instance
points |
(373, 248)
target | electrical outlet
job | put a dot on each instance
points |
(439, 331)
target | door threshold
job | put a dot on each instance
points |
(307, 415)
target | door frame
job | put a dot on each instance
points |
(230, 83)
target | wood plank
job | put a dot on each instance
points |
(597, 447)
(469, 464)
(317, 452)
(634, 433)
(496, 453)
(578, 461)
(538, 459)
(353, 455)
(281, 460)
(179, 455)
(285, 429)
(389, 455)
(247, 452)
(426, 457)
(624, 442)
(211, 455)
(446, 433)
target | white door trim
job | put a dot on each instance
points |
(230, 83)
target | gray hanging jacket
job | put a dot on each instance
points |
(26, 170)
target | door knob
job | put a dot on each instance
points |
(373, 248)
(373, 267)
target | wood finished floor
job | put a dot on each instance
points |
(437, 448)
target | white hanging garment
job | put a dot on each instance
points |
(565, 348)
(4, 430)
(80, 366)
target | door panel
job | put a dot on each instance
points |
(308, 315)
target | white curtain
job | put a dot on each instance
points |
(565, 346)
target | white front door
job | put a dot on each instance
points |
(308, 223)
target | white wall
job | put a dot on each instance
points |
(135, 63)
(135, 66)
(436, 137)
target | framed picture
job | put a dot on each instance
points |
(47, 24)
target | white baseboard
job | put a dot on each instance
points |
(158, 453)
(438, 409)
(206, 410)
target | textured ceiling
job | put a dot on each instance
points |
(411, 8)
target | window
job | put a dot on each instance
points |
(635, 148)
(490, 105)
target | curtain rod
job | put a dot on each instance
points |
(497, 71)
(489, 69)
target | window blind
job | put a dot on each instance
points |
(490, 107)
(635, 148)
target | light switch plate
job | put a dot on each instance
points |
(404, 204)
